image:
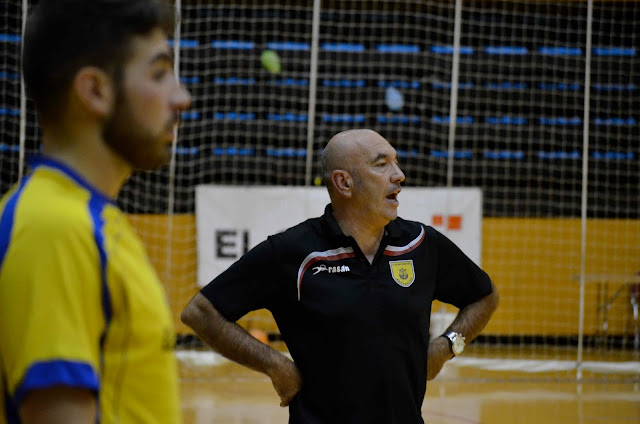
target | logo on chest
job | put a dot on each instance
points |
(402, 272)
(330, 269)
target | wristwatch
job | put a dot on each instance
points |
(456, 340)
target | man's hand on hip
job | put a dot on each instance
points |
(287, 380)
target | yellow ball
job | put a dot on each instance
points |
(270, 61)
(317, 181)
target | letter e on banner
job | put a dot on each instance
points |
(231, 244)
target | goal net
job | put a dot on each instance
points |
(535, 102)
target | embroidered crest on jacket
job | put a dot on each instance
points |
(402, 272)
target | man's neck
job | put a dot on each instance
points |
(367, 235)
(92, 159)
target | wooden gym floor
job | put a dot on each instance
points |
(227, 393)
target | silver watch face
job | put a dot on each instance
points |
(458, 345)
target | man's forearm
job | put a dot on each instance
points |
(228, 338)
(473, 318)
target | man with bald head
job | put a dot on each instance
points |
(351, 292)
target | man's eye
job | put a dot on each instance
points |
(159, 74)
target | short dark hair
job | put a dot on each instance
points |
(62, 36)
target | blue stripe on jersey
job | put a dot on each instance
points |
(6, 221)
(40, 160)
(42, 375)
(96, 206)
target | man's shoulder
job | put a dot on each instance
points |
(405, 228)
(416, 234)
(51, 229)
(307, 236)
(411, 228)
(44, 208)
(304, 228)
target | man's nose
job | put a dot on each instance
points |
(182, 99)
(398, 175)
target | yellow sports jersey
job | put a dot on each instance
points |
(80, 303)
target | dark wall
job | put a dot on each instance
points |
(520, 102)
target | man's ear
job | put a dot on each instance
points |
(342, 182)
(94, 90)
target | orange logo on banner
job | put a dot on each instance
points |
(454, 222)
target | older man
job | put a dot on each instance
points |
(351, 292)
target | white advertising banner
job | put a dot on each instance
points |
(231, 220)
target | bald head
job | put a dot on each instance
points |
(343, 150)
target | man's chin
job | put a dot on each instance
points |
(388, 217)
(392, 213)
(153, 164)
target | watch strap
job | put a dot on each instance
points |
(456, 341)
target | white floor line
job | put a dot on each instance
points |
(209, 358)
